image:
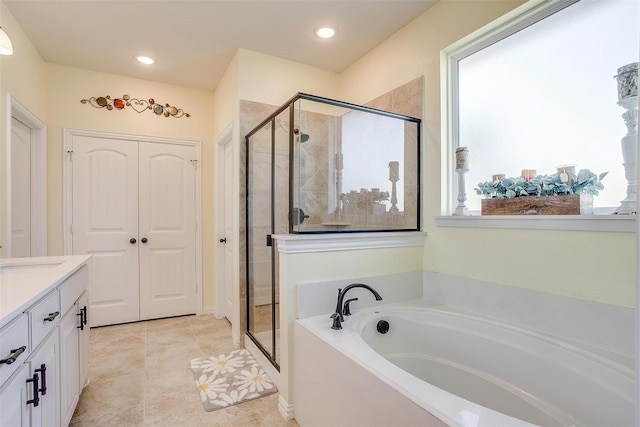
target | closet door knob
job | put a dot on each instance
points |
(223, 240)
(144, 240)
(132, 241)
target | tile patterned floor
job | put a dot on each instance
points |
(140, 376)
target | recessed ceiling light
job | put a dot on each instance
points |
(325, 32)
(145, 60)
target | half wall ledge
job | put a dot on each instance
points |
(304, 243)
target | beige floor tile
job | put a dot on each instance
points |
(169, 357)
(140, 376)
(117, 364)
(179, 377)
(105, 395)
(123, 330)
(260, 412)
(168, 324)
(117, 345)
(124, 416)
(181, 347)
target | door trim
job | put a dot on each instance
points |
(68, 181)
(225, 137)
(15, 109)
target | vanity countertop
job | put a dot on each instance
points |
(24, 280)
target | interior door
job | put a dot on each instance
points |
(228, 231)
(105, 224)
(167, 230)
(20, 189)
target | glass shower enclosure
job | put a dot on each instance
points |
(318, 165)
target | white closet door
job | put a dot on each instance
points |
(228, 231)
(167, 230)
(105, 219)
(20, 190)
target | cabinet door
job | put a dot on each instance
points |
(83, 328)
(14, 411)
(44, 362)
(69, 362)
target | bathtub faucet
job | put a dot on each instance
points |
(338, 316)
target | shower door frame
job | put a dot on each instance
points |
(270, 119)
(290, 104)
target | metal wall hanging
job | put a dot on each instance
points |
(138, 105)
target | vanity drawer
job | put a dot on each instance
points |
(44, 317)
(73, 287)
(14, 336)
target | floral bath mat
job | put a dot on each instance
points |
(229, 379)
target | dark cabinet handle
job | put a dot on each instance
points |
(223, 240)
(83, 318)
(43, 384)
(15, 353)
(36, 396)
(144, 240)
(81, 327)
(51, 316)
(132, 241)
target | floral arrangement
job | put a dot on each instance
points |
(365, 196)
(586, 182)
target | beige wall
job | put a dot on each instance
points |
(597, 266)
(23, 76)
(592, 265)
(23, 73)
(271, 80)
(66, 86)
(225, 107)
(53, 92)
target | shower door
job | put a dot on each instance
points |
(267, 214)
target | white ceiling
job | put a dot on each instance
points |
(194, 41)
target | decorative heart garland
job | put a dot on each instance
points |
(137, 105)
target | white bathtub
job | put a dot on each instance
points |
(451, 369)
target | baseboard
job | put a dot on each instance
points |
(210, 310)
(285, 409)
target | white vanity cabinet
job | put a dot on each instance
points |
(82, 307)
(44, 340)
(14, 411)
(31, 397)
(14, 349)
(74, 342)
(44, 363)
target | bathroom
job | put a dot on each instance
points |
(606, 274)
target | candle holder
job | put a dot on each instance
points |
(462, 167)
(627, 78)
(394, 176)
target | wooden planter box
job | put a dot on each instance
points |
(572, 204)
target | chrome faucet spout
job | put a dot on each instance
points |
(338, 316)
